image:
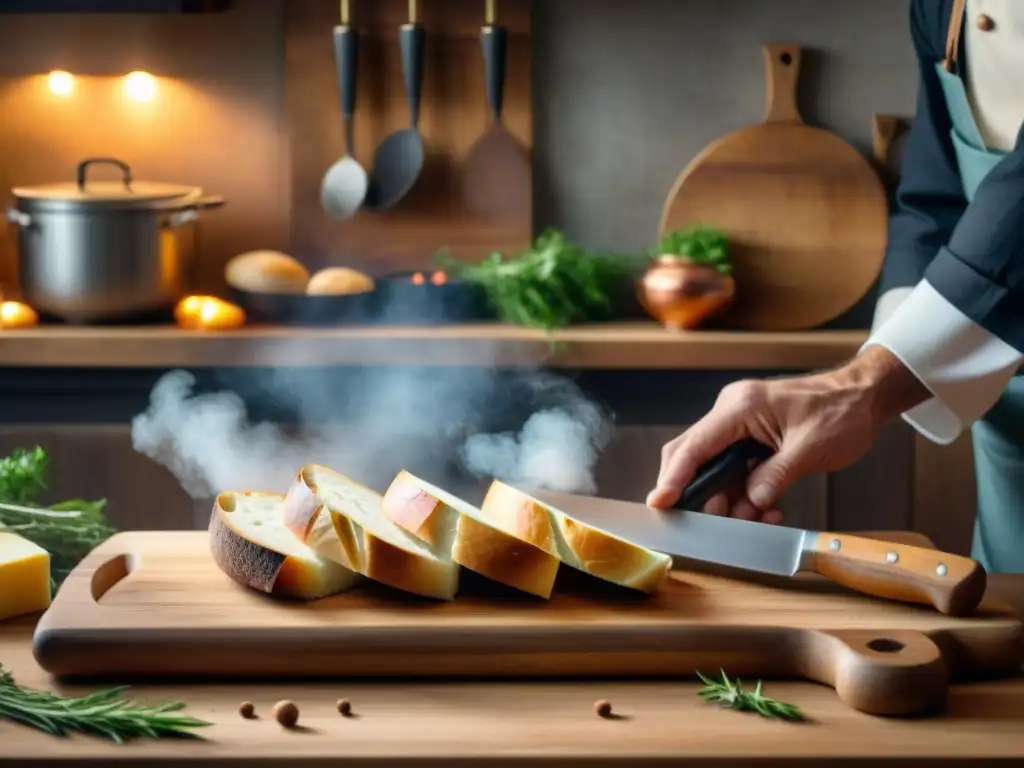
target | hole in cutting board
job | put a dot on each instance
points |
(786, 59)
(885, 645)
(110, 573)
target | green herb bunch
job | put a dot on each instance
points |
(701, 244)
(549, 285)
(732, 695)
(103, 713)
(68, 530)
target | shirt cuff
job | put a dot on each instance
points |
(887, 305)
(963, 365)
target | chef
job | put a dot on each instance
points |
(947, 342)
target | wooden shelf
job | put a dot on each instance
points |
(624, 346)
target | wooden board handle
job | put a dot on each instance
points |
(782, 62)
(954, 585)
(890, 673)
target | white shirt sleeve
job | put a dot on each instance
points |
(964, 366)
(887, 305)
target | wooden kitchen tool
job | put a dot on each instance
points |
(497, 179)
(806, 214)
(147, 604)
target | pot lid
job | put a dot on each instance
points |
(127, 191)
(107, 192)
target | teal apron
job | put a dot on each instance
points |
(999, 436)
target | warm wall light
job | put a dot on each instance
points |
(140, 86)
(61, 83)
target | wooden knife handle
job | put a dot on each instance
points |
(954, 585)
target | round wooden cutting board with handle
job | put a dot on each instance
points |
(806, 214)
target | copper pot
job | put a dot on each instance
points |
(681, 294)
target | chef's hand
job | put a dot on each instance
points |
(817, 423)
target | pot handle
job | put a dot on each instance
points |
(191, 213)
(83, 168)
(18, 218)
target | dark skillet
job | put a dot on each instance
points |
(403, 301)
(303, 310)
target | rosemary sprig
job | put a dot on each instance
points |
(731, 695)
(104, 713)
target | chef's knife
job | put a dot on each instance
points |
(954, 585)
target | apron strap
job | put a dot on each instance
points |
(956, 23)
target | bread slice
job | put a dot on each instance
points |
(576, 544)
(450, 524)
(345, 521)
(250, 544)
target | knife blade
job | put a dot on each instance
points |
(952, 584)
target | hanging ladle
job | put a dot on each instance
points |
(344, 186)
(399, 159)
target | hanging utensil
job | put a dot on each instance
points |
(399, 159)
(345, 183)
(496, 176)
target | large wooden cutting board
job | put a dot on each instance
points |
(154, 604)
(806, 214)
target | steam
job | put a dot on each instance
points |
(556, 449)
(535, 429)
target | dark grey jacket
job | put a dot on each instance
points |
(972, 255)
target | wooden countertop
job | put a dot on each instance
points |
(493, 724)
(634, 345)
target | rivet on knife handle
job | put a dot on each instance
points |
(954, 585)
(722, 473)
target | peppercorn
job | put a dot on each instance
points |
(344, 707)
(603, 707)
(246, 710)
(286, 713)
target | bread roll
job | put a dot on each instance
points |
(250, 544)
(580, 546)
(266, 272)
(337, 281)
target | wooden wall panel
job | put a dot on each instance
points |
(98, 461)
(876, 493)
(628, 467)
(454, 115)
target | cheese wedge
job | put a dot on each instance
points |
(576, 544)
(24, 576)
(250, 543)
(451, 524)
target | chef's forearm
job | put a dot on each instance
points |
(887, 386)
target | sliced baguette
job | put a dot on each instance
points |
(250, 544)
(576, 544)
(345, 521)
(450, 524)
